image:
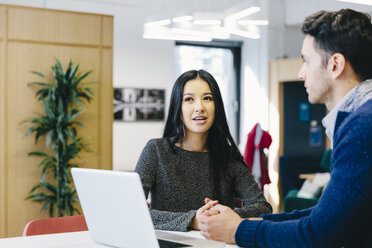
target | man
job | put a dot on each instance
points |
(337, 70)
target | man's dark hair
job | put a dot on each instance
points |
(347, 32)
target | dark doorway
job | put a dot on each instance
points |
(299, 139)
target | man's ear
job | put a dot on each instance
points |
(336, 65)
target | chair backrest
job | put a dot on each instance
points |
(55, 225)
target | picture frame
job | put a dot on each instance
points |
(138, 104)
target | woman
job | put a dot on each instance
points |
(196, 160)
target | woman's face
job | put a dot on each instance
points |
(197, 107)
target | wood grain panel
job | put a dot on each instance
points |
(2, 142)
(106, 109)
(107, 31)
(37, 37)
(3, 111)
(54, 26)
(2, 22)
(24, 58)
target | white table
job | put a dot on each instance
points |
(66, 240)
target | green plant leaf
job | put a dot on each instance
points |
(62, 99)
(73, 71)
(37, 197)
(48, 186)
(38, 73)
(77, 101)
(41, 84)
(29, 131)
(51, 209)
(77, 123)
(35, 188)
(59, 67)
(80, 78)
(89, 90)
(49, 138)
(40, 154)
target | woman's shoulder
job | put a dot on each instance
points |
(237, 161)
(159, 143)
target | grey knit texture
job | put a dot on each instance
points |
(179, 181)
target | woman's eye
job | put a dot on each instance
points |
(208, 98)
(188, 99)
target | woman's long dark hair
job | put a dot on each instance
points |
(220, 143)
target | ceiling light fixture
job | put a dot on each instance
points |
(243, 13)
(205, 26)
(164, 22)
(207, 18)
(175, 37)
(365, 2)
(207, 22)
(253, 22)
(182, 19)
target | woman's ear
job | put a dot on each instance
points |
(336, 65)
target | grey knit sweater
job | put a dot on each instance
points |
(179, 180)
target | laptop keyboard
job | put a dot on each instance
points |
(170, 244)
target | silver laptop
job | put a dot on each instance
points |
(117, 214)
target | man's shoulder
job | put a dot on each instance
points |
(366, 108)
(357, 123)
(363, 115)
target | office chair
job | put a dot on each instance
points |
(294, 202)
(55, 225)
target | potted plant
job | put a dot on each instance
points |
(62, 99)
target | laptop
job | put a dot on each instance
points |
(117, 214)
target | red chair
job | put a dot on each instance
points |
(55, 225)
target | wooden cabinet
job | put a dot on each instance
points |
(30, 40)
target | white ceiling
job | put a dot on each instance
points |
(295, 10)
(166, 5)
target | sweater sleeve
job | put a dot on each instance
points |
(172, 221)
(340, 214)
(287, 216)
(248, 192)
(147, 168)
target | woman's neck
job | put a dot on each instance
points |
(196, 143)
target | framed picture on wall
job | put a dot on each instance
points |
(133, 104)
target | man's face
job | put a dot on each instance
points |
(314, 72)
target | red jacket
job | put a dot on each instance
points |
(249, 151)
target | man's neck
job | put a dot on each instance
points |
(340, 91)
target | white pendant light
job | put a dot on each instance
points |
(365, 2)
(239, 20)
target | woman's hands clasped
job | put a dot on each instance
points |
(209, 204)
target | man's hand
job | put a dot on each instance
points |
(195, 223)
(222, 226)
